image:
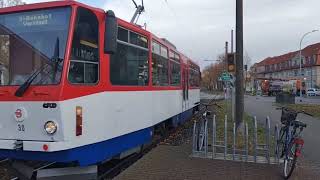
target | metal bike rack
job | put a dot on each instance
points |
(265, 148)
(277, 136)
(222, 144)
(200, 137)
(220, 149)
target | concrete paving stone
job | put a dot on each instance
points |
(174, 162)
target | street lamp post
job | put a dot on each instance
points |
(300, 58)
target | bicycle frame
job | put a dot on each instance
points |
(287, 140)
(293, 137)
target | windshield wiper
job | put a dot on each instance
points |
(55, 59)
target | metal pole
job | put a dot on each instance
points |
(234, 141)
(226, 57)
(311, 78)
(214, 128)
(268, 139)
(231, 41)
(300, 59)
(225, 136)
(276, 133)
(194, 137)
(247, 141)
(300, 68)
(226, 69)
(239, 63)
(206, 137)
(255, 136)
(231, 89)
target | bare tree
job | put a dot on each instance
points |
(247, 59)
(211, 74)
(4, 44)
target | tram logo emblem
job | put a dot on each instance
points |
(20, 114)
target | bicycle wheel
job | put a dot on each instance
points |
(201, 135)
(290, 160)
(280, 143)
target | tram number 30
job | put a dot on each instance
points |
(21, 128)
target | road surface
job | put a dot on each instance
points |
(261, 107)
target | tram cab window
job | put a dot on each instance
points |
(160, 76)
(129, 66)
(84, 60)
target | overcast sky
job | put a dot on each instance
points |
(199, 29)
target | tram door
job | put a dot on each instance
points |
(185, 89)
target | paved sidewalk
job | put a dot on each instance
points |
(174, 162)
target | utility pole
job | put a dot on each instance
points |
(225, 89)
(311, 78)
(232, 89)
(231, 41)
(239, 64)
(226, 57)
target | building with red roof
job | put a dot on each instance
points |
(287, 66)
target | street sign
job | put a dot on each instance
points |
(225, 76)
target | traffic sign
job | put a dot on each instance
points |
(225, 76)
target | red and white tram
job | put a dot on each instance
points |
(79, 85)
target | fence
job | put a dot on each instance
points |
(221, 149)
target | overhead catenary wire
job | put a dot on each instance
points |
(173, 12)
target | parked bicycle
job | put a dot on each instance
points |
(202, 117)
(290, 140)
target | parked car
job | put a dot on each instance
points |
(313, 92)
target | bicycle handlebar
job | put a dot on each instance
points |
(298, 112)
(307, 113)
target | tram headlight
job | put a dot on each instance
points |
(50, 127)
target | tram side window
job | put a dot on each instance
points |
(129, 65)
(175, 69)
(84, 61)
(160, 76)
(194, 78)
